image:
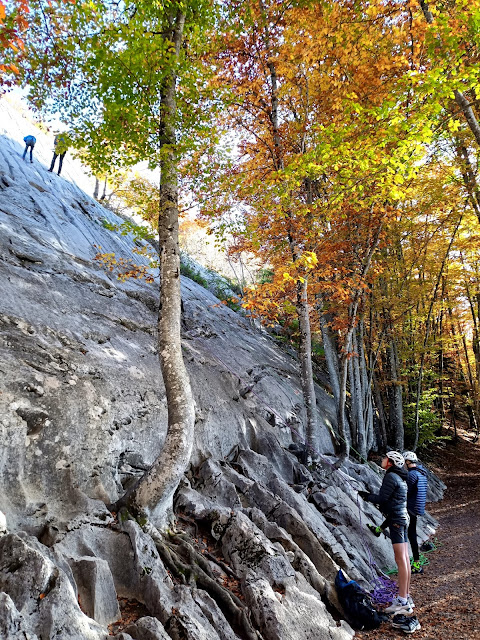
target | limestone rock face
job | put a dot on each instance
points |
(12, 624)
(83, 405)
(41, 597)
(259, 537)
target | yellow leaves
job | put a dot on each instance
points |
(125, 267)
(310, 259)
(454, 125)
(2, 12)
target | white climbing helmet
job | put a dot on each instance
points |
(410, 455)
(396, 458)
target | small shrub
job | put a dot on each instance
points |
(189, 272)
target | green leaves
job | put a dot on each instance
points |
(105, 65)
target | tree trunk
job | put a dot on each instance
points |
(381, 431)
(353, 405)
(153, 495)
(366, 388)
(97, 188)
(308, 386)
(395, 398)
(357, 397)
(330, 349)
(104, 193)
(342, 424)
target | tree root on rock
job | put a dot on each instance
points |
(191, 567)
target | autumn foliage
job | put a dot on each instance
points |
(336, 143)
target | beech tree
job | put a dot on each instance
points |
(122, 80)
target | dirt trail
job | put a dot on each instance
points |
(447, 595)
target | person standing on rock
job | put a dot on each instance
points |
(29, 144)
(416, 498)
(60, 149)
(392, 500)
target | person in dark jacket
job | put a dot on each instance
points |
(29, 144)
(416, 498)
(392, 500)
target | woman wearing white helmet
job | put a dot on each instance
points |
(392, 500)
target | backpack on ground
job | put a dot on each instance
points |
(357, 604)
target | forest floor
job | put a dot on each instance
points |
(447, 594)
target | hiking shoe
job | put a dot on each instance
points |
(375, 530)
(410, 602)
(417, 567)
(407, 625)
(398, 606)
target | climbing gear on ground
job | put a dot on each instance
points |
(428, 545)
(406, 624)
(377, 531)
(398, 606)
(357, 604)
(417, 567)
(396, 458)
(410, 455)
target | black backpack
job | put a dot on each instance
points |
(357, 604)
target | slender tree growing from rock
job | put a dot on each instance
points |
(93, 58)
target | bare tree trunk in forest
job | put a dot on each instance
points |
(395, 396)
(330, 349)
(366, 388)
(104, 192)
(306, 365)
(472, 400)
(342, 425)
(153, 494)
(347, 344)
(353, 408)
(466, 107)
(357, 394)
(441, 404)
(381, 431)
(97, 188)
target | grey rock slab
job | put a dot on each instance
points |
(292, 613)
(13, 626)
(147, 629)
(214, 615)
(247, 549)
(96, 589)
(42, 593)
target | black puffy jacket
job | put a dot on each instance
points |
(392, 497)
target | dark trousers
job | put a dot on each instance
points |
(412, 537)
(31, 151)
(62, 155)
